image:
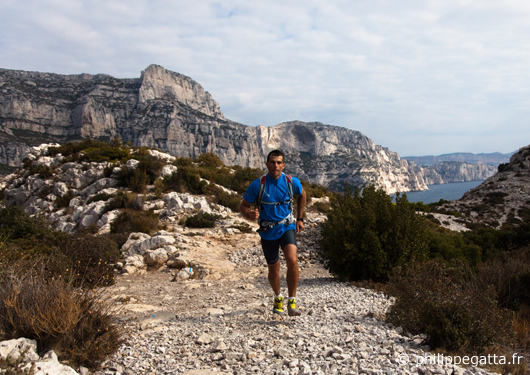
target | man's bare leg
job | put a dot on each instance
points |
(291, 260)
(274, 277)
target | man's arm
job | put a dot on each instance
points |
(246, 210)
(300, 204)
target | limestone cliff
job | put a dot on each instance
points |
(173, 113)
(454, 171)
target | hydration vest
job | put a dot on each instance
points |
(263, 224)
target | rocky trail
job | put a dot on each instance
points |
(224, 323)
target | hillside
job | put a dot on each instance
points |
(205, 305)
(501, 199)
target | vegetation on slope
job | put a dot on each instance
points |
(469, 292)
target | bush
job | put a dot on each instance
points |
(185, 179)
(64, 201)
(15, 223)
(42, 170)
(496, 197)
(125, 200)
(92, 151)
(366, 236)
(160, 187)
(210, 160)
(74, 323)
(223, 198)
(448, 246)
(509, 275)
(129, 221)
(322, 207)
(91, 259)
(202, 220)
(434, 300)
(84, 260)
(314, 190)
(138, 181)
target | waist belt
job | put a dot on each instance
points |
(265, 225)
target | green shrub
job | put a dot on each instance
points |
(42, 170)
(496, 197)
(92, 151)
(202, 220)
(82, 259)
(435, 300)
(449, 246)
(314, 190)
(15, 223)
(242, 178)
(152, 167)
(422, 207)
(366, 236)
(223, 198)
(125, 200)
(322, 207)
(129, 221)
(64, 201)
(209, 160)
(138, 181)
(186, 179)
(74, 323)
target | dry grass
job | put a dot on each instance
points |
(73, 322)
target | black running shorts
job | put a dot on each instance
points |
(271, 249)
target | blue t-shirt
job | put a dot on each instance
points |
(275, 191)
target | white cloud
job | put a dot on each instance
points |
(416, 76)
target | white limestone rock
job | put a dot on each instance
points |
(132, 163)
(133, 239)
(12, 349)
(156, 257)
(168, 170)
(99, 185)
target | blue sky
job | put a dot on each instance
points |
(419, 77)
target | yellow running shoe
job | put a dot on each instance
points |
(291, 308)
(278, 305)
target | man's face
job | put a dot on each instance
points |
(275, 166)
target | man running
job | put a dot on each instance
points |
(274, 194)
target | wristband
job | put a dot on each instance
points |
(300, 219)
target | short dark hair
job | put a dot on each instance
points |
(276, 153)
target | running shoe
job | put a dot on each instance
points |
(278, 305)
(291, 308)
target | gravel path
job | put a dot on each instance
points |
(228, 327)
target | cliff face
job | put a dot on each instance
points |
(173, 113)
(453, 171)
(494, 158)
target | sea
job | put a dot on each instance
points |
(449, 192)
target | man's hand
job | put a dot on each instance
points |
(246, 210)
(299, 226)
(253, 215)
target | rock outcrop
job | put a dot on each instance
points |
(173, 113)
(502, 198)
(24, 351)
(454, 171)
